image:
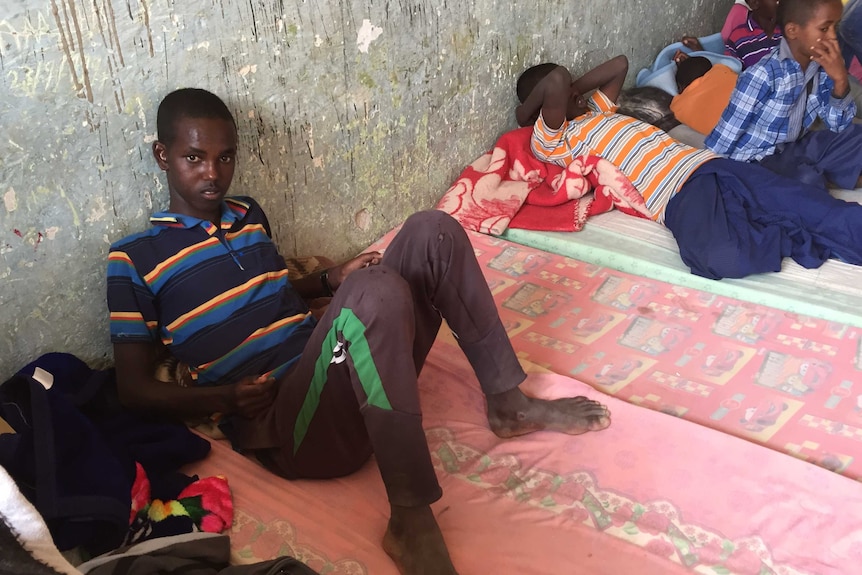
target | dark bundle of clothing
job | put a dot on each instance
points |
(75, 448)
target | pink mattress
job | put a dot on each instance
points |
(791, 382)
(651, 494)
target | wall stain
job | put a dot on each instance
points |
(337, 144)
(66, 43)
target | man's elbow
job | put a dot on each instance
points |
(558, 80)
(621, 63)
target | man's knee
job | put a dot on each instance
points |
(434, 223)
(379, 287)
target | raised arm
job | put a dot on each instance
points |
(607, 77)
(550, 97)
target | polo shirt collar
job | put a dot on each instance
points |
(231, 211)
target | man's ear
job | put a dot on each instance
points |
(753, 5)
(160, 153)
(791, 30)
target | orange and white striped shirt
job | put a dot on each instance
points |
(655, 163)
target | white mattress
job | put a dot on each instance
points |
(641, 247)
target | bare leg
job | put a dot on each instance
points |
(414, 542)
(512, 413)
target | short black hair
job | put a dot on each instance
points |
(690, 69)
(188, 103)
(798, 11)
(530, 77)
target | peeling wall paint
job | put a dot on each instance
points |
(352, 114)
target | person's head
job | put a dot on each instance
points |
(764, 10)
(196, 148)
(530, 78)
(805, 22)
(690, 69)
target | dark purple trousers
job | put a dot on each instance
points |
(354, 390)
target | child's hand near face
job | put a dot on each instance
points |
(827, 53)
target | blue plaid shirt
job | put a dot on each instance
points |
(757, 119)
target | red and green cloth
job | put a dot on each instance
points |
(203, 505)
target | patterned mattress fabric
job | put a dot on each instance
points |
(617, 241)
(700, 482)
(652, 494)
(788, 381)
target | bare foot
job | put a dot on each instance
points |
(414, 542)
(512, 413)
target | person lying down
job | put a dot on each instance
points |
(730, 219)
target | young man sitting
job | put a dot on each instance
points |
(309, 398)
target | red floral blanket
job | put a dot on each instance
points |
(510, 187)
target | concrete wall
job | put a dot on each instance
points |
(352, 114)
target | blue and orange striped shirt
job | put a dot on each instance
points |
(655, 164)
(217, 296)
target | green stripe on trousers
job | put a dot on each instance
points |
(353, 331)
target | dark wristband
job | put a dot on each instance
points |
(324, 282)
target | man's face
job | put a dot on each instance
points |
(765, 9)
(199, 165)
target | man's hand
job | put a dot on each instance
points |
(827, 53)
(338, 274)
(252, 395)
(692, 43)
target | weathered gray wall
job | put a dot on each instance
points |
(352, 114)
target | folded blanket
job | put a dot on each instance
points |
(510, 187)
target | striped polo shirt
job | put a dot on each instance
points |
(748, 42)
(656, 164)
(217, 296)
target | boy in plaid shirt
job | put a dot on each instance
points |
(778, 99)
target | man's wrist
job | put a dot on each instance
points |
(841, 87)
(229, 399)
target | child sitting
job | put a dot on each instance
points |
(736, 16)
(757, 36)
(776, 101)
(750, 37)
(704, 91)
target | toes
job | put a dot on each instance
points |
(593, 408)
(599, 423)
